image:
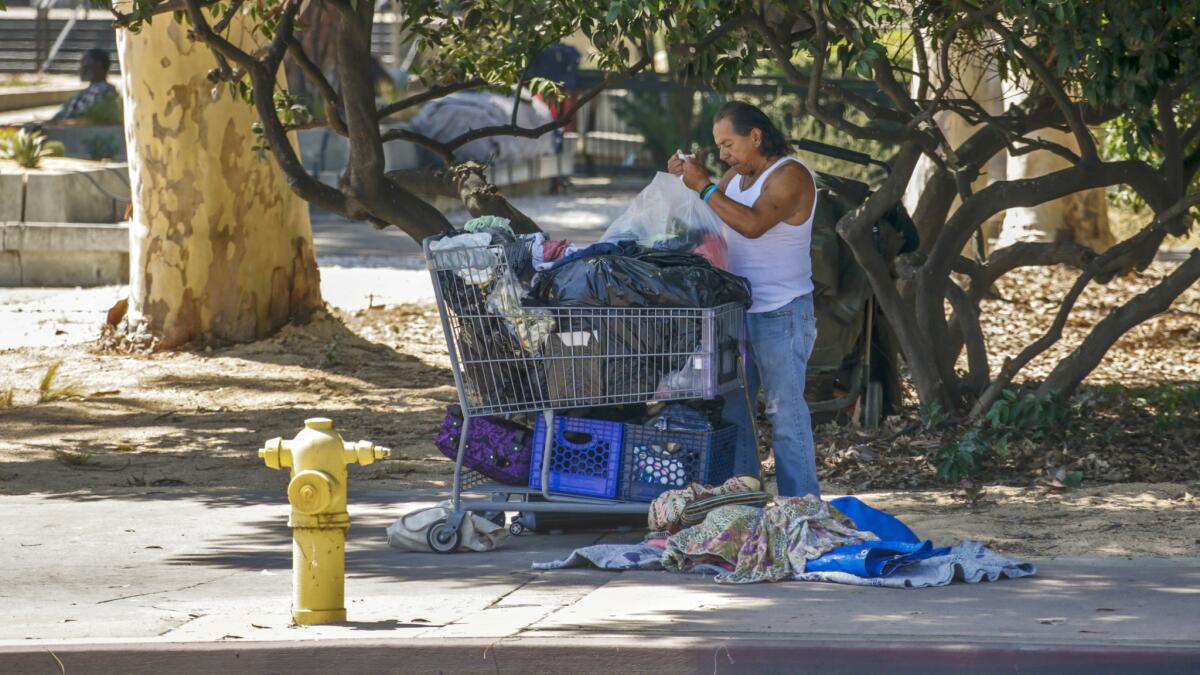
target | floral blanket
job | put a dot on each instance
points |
(767, 544)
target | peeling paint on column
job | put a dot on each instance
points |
(221, 249)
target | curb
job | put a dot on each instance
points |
(592, 655)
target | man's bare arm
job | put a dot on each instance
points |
(787, 196)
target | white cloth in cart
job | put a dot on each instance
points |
(409, 531)
(477, 267)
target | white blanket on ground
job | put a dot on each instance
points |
(969, 562)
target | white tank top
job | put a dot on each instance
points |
(779, 263)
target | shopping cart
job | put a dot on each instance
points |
(509, 359)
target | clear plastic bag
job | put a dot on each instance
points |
(668, 215)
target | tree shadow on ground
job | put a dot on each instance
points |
(65, 450)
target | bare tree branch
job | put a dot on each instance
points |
(234, 8)
(783, 56)
(1130, 252)
(563, 120)
(263, 80)
(446, 154)
(1069, 372)
(203, 32)
(1070, 110)
(975, 113)
(1030, 192)
(428, 95)
(967, 319)
(922, 59)
(328, 93)
(1172, 146)
(1023, 254)
(854, 228)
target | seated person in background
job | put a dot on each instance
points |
(99, 101)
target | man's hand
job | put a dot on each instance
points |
(675, 163)
(694, 176)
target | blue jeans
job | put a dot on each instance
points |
(778, 346)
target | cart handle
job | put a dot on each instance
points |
(840, 153)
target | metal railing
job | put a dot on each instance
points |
(44, 49)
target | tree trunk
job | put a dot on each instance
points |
(976, 79)
(221, 249)
(1081, 217)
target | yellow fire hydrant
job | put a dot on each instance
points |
(318, 457)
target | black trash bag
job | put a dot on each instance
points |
(630, 371)
(492, 356)
(647, 278)
(630, 356)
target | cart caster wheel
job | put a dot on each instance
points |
(515, 529)
(442, 538)
(500, 518)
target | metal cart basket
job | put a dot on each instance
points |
(508, 359)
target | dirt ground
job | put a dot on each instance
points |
(193, 422)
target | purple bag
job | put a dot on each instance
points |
(496, 447)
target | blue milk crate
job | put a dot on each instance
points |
(649, 468)
(588, 466)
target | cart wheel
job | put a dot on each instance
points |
(442, 538)
(873, 404)
(516, 528)
(497, 517)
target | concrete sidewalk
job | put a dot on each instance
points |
(183, 581)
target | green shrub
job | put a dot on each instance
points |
(1012, 418)
(25, 148)
(101, 146)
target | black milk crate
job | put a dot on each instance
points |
(654, 461)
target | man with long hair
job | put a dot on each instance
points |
(767, 201)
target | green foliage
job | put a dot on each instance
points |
(1170, 403)
(1013, 418)
(106, 112)
(1133, 137)
(650, 115)
(496, 39)
(25, 148)
(102, 146)
(932, 415)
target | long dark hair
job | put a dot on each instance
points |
(745, 117)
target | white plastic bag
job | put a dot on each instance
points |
(668, 212)
(410, 530)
